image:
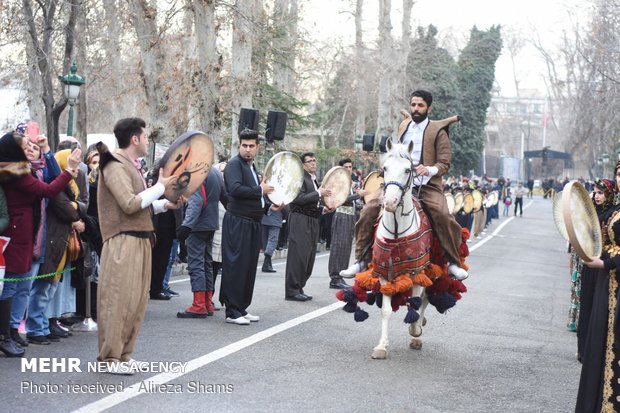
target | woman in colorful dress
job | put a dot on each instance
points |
(584, 278)
(599, 387)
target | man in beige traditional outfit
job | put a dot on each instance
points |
(125, 208)
(432, 153)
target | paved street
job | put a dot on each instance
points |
(504, 347)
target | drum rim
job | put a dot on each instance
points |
(174, 146)
(448, 196)
(567, 201)
(558, 214)
(377, 172)
(458, 202)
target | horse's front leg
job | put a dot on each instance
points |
(415, 329)
(380, 352)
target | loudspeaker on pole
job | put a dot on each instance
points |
(276, 126)
(383, 144)
(248, 118)
(368, 142)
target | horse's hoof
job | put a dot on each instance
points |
(379, 354)
(415, 330)
(416, 344)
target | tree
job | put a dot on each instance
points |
(41, 27)
(432, 68)
(207, 76)
(385, 124)
(476, 72)
(242, 44)
(583, 78)
(153, 69)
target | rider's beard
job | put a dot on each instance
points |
(418, 117)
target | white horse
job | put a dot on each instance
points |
(401, 272)
(400, 219)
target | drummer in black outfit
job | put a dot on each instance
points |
(241, 229)
(303, 231)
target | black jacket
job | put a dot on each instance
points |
(244, 194)
(308, 199)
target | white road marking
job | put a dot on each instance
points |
(132, 391)
(501, 226)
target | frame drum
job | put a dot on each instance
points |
(581, 219)
(338, 181)
(189, 157)
(558, 215)
(477, 199)
(285, 173)
(468, 203)
(492, 199)
(450, 201)
(458, 203)
(373, 183)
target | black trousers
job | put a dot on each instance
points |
(159, 261)
(519, 204)
(302, 240)
(241, 242)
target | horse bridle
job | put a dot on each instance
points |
(403, 190)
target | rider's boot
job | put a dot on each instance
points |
(357, 266)
(457, 272)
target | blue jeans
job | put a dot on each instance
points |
(41, 293)
(273, 234)
(173, 255)
(11, 286)
(21, 297)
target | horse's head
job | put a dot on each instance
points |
(398, 172)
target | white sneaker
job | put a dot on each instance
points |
(118, 368)
(353, 269)
(253, 318)
(457, 272)
(143, 366)
(242, 321)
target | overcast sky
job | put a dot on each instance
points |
(454, 19)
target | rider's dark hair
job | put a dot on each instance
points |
(425, 95)
(343, 161)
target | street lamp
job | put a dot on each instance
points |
(72, 83)
(605, 162)
(358, 151)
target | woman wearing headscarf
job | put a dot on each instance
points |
(22, 191)
(584, 278)
(44, 168)
(92, 240)
(55, 293)
(599, 386)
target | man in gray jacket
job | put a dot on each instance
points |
(200, 223)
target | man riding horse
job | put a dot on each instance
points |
(432, 153)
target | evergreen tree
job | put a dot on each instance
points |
(431, 68)
(475, 75)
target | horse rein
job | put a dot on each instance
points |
(404, 189)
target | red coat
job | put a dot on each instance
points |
(21, 194)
